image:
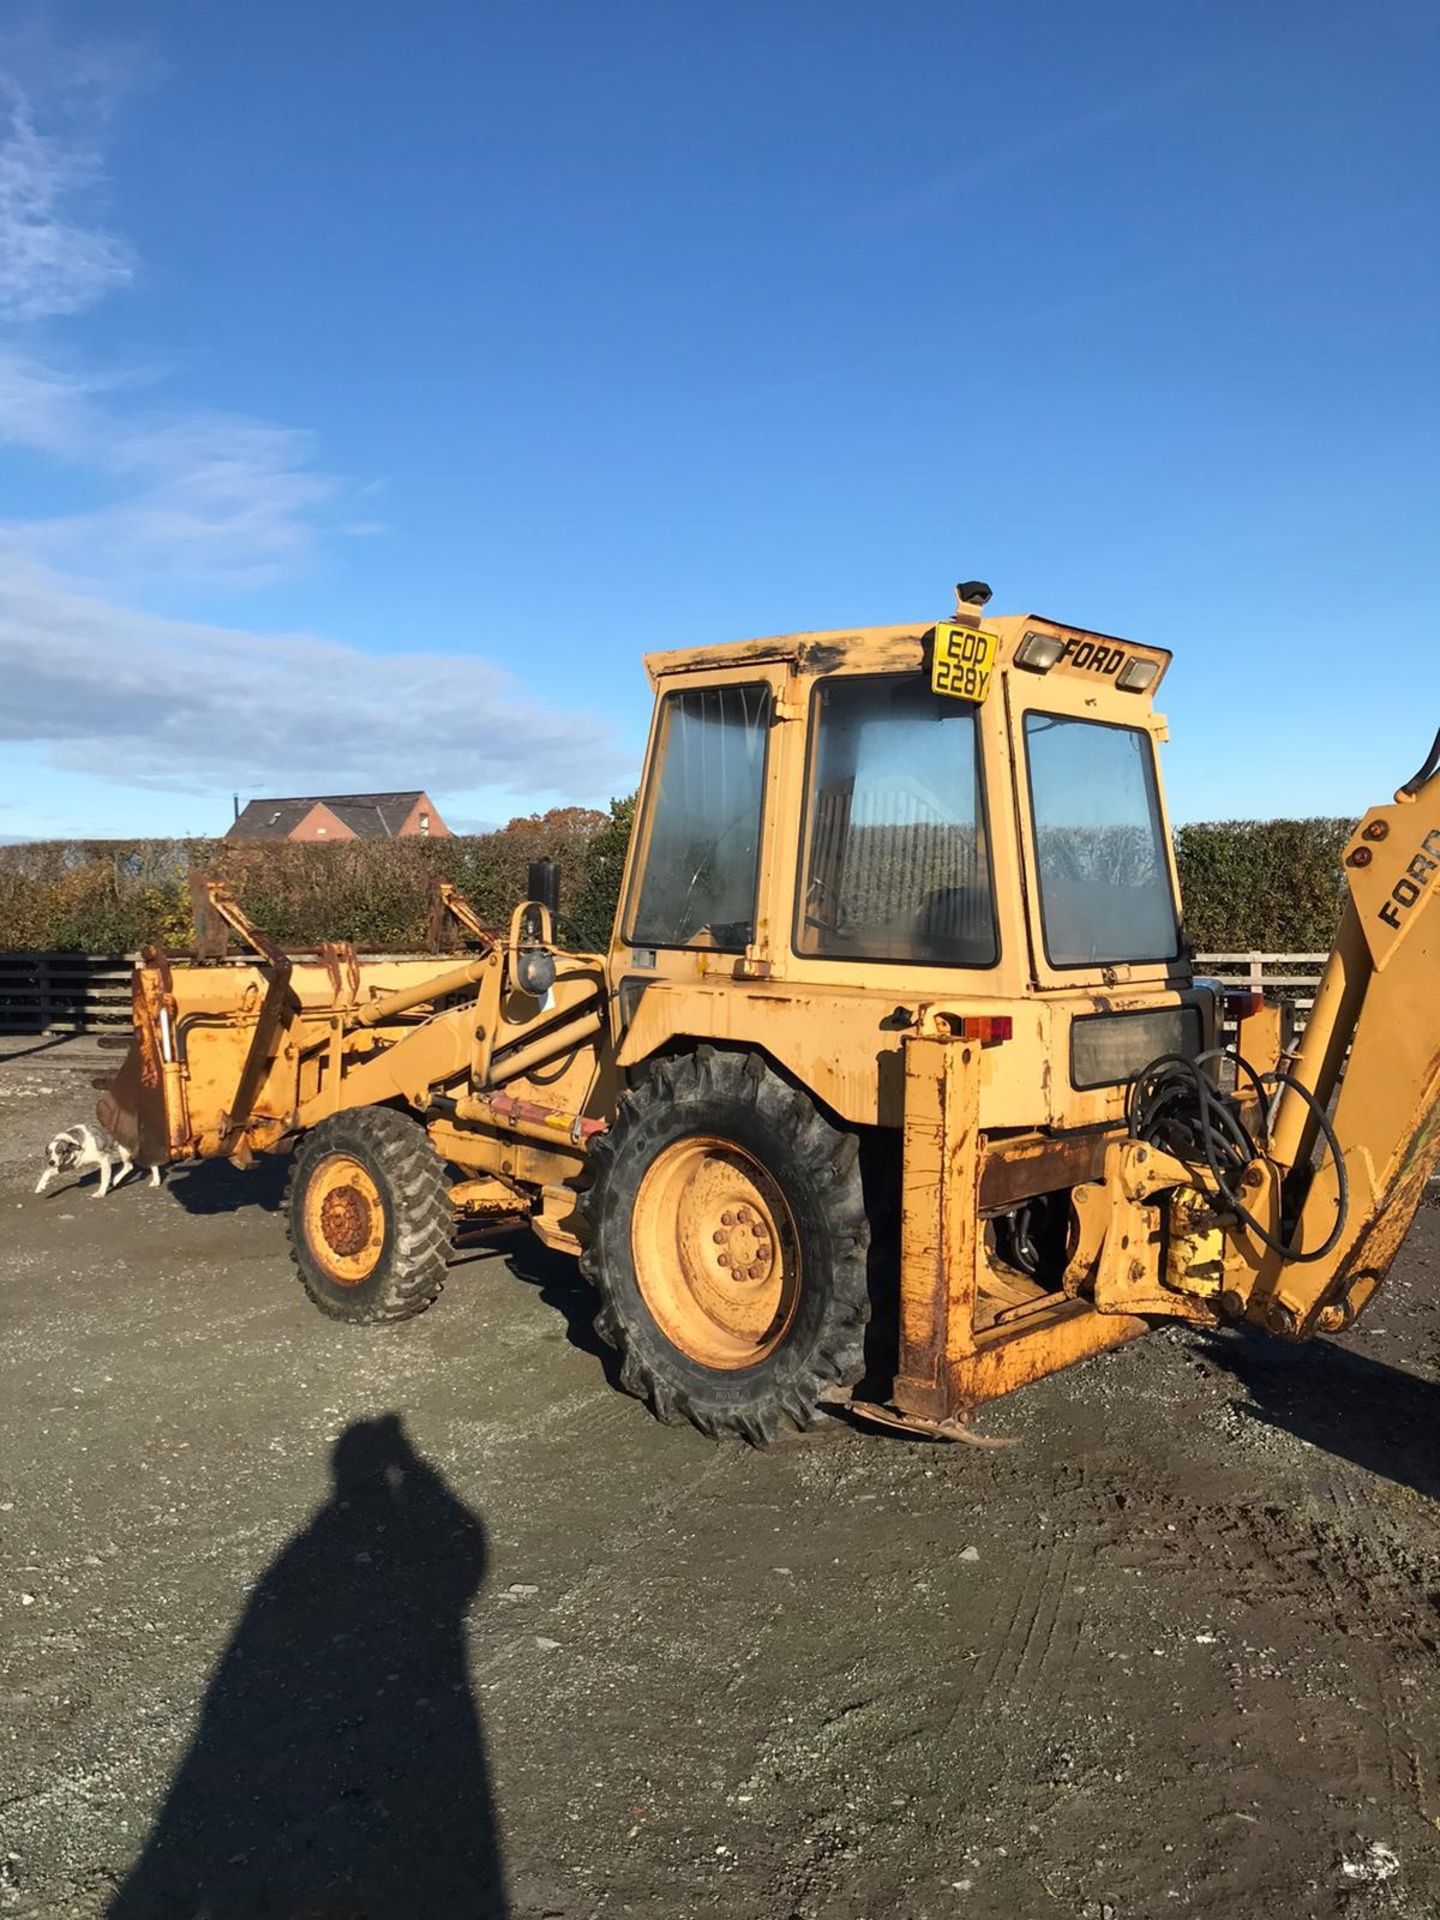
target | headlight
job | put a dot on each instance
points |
(1136, 675)
(1039, 652)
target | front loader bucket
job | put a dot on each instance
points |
(135, 1105)
(226, 1053)
(134, 1111)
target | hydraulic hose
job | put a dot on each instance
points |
(1174, 1104)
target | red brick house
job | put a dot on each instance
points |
(341, 816)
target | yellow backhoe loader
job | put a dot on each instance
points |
(897, 1014)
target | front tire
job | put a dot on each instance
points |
(368, 1216)
(727, 1240)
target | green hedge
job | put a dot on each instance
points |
(1272, 884)
(110, 896)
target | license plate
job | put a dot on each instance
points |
(963, 662)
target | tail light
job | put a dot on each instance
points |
(1243, 1006)
(989, 1029)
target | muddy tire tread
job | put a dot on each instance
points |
(789, 1384)
(414, 1180)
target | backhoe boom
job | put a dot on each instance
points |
(1375, 1031)
(1289, 1213)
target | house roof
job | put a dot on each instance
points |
(369, 816)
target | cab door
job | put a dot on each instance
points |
(702, 880)
(1102, 900)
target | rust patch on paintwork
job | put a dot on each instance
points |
(821, 657)
(1013, 1170)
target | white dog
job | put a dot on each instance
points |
(81, 1147)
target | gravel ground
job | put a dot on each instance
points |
(305, 1620)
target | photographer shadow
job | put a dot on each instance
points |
(338, 1770)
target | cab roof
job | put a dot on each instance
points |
(888, 649)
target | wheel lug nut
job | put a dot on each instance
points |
(743, 1216)
(727, 1219)
(721, 1236)
(724, 1260)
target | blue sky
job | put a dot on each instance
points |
(377, 383)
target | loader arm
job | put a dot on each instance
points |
(232, 1056)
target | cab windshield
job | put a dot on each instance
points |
(897, 864)
(1105, 893)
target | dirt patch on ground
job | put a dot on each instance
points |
(268, 1651)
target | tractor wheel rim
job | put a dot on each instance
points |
(344, 1219)
(717, 1258)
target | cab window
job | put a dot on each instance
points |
(1105, 893)
(897, 863)
(702, 844)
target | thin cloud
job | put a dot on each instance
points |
(109, 689)
(203, 495)
(177, 706)
(50, 263)
(1047, 138)
(44, 408)
(213, 496)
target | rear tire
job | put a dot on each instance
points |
(368, 1216)
(727, 1240)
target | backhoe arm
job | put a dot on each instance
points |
(1206, 1213)
(1379, 1000)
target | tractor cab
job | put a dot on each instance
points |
(861, 824)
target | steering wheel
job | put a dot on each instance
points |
(681, 928)
(823, 906)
